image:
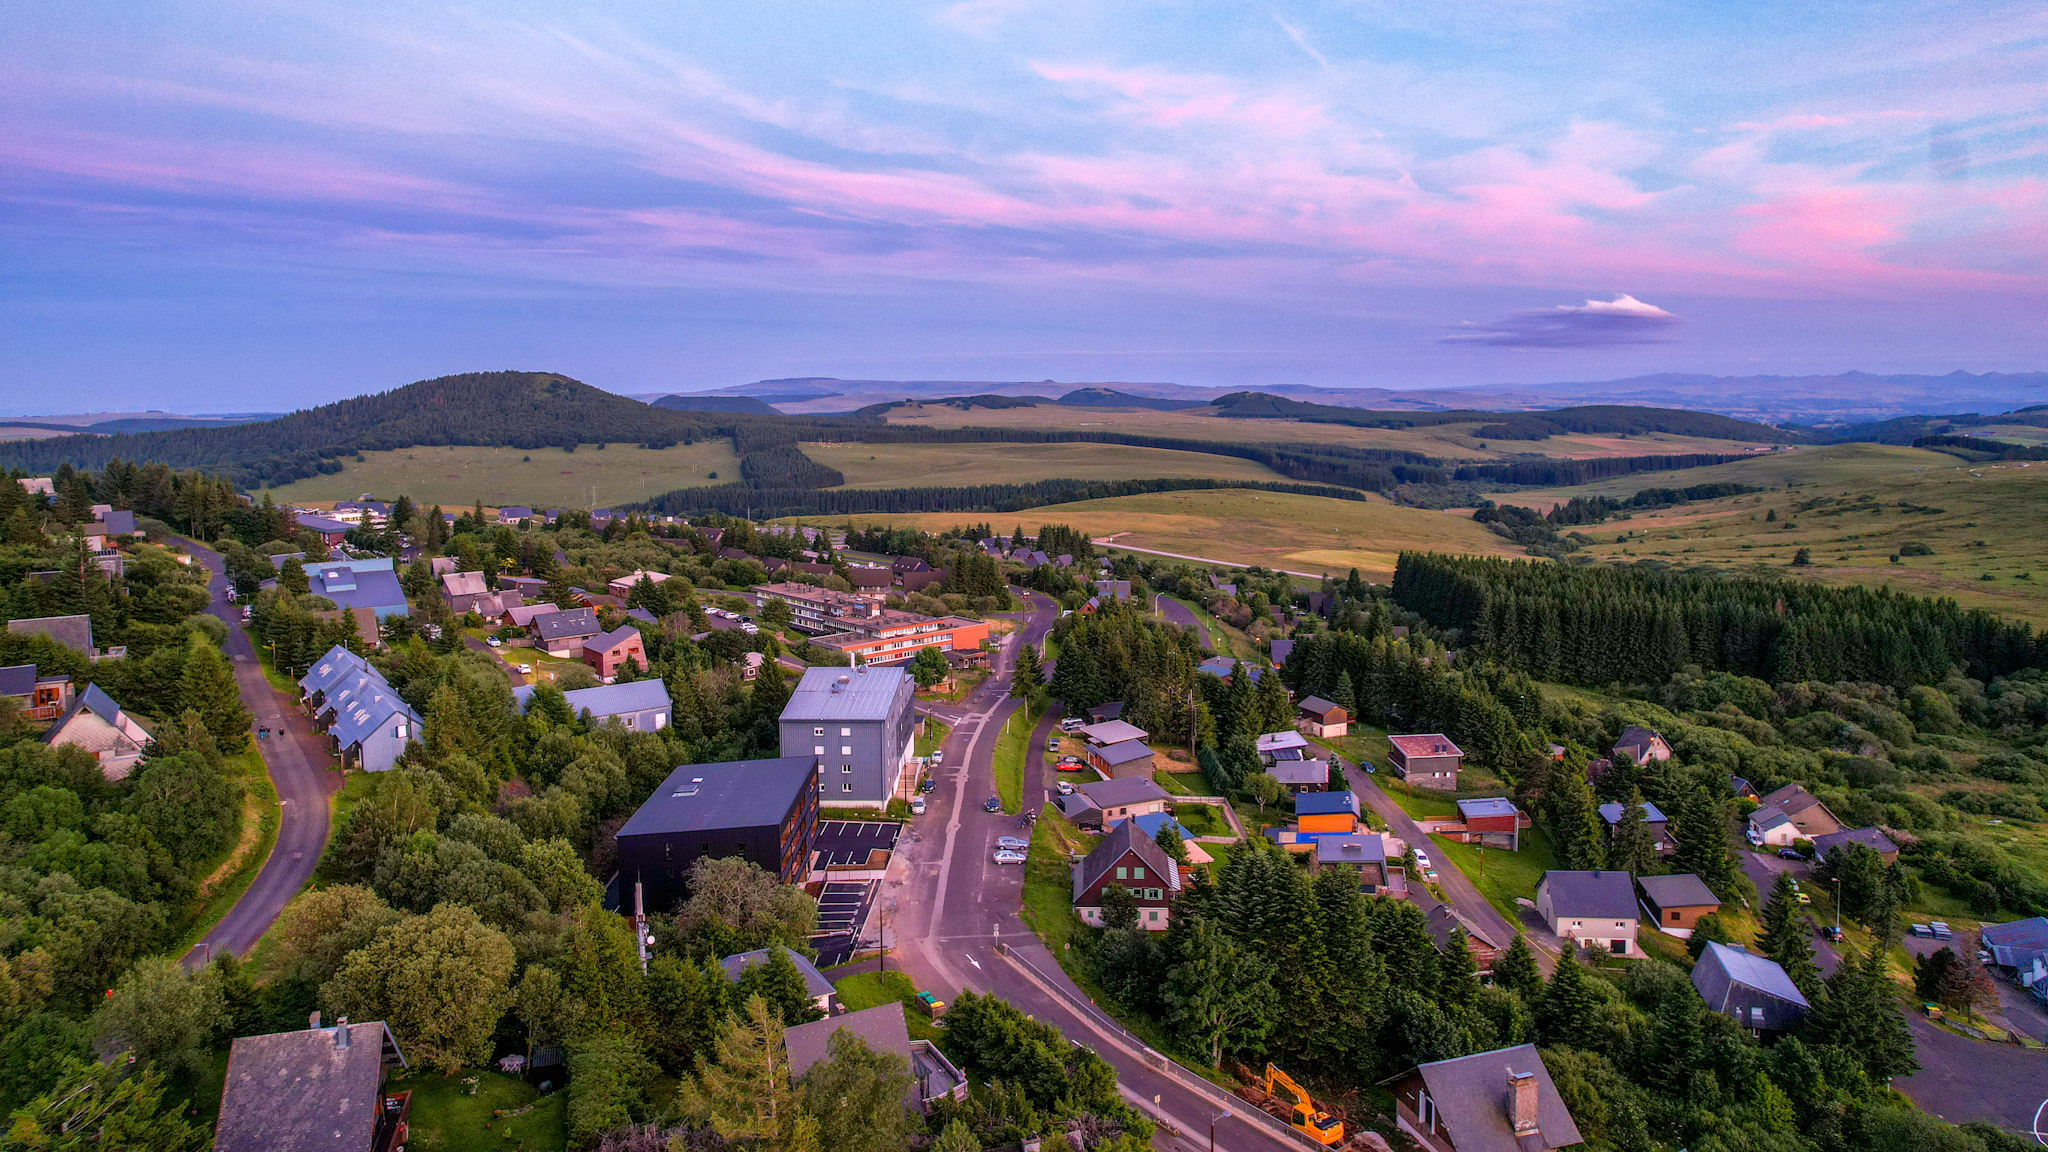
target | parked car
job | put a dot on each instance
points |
(1071, 764)
(1831, 932)
(992, 804)
(494, 642)
(938, 757)
(1804, 898)
(1790, 854)
(917, 805)
(1065, 788)
(1015, 844)
(1052, 745)
(524, 669)
(927, 785)
(248, 612)
(1072, 724)
(1422, 862)
(1008, 857)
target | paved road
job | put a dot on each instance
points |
(953, 906)
(1463, 895)
(1111, 543)
(298, 762)
(1176, 612)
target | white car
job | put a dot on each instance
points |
(1422, 862)
(917, 805)
(1012, 843)
(495, 642)
(524, 669)
(938, 757)
(1066, 789)
(1005, 856)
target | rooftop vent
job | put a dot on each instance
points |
(690, 789)
(341, 1034)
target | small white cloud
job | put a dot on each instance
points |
(1622, 320)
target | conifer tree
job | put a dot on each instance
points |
(209, 689)
(1457, 973)
(1632, 848)
(1783, 936)
(1702, 834)
(744, 1090)
(1516, 970)
(1344, 695)
(1564, 1011)
(1575, 825)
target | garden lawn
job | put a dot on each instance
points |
(446, 1120)
(873, 989)
(1419, 804)
(1202, 819)
(1011, 745)
(1502, 876)
(935, 733)
(1183, 783)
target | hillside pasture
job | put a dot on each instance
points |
(1239, 526)
(1854, 508)
(458, 476)
(1449, 441)
(946, 465)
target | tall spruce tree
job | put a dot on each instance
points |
(209, 689)
(1783, 936)
(1575, 825)
(1631, 847)
(1517, 972)
(1702, 834)
(1564, 1011)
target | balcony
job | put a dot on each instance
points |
(392, 1121)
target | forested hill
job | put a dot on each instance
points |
(1597, 419)
(515, 409)
(698, 403)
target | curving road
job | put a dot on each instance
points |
(1176, 612)
(298, 761)
(952, 906)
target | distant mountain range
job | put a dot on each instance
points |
(1845, 397)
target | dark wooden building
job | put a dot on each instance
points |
(764, 811)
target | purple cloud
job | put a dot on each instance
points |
(1594, 324)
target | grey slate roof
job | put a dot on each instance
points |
(73, 632)
(1636, 739)
(731, 794)
(1124, 753)
(1315, 704)
(1871, 838)
(1127, 790)
(1612, 813)
(117, 523)
(1112, 732)
(1471, 1094)
(606, 699)
(1357, 848)
(881, 1028)
(18, 680)
(865, 693)
(1487, 806)
(606, 641)
(297, 1092)
(1603, 895)
(363, 707)
(1439, 921)
(1767, 817)
(1683, 890)
(566, 624)
(814, 980)
(1302, 772)
(2015, 944)
(1721, 966)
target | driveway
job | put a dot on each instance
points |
(299, 764)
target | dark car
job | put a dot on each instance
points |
(1831, 932)
(1790, 854)
(927, 785)
(992, 804)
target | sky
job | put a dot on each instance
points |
(238, 206)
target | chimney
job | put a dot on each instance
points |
(341, 1036)
(1522, 1102)
(313, 1021)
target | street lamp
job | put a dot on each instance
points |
(1838, 906)
(1224, 1115)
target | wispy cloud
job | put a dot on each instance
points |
(1594, 324)
(1301, 42)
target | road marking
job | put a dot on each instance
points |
(2038, 1138)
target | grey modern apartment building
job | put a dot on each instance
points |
(855, 725)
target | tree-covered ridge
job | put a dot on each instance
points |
(1603, 625)
(1592, 418)
(1550, 472)
(743, 500)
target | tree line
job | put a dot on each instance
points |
(741, 500)
(1552, 472)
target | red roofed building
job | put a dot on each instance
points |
(1427, 761)
(607, 652)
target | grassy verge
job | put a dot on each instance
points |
(935, 733)
(1183, 783)
(1418, 804)
(1500, 876)
(873, 989)
(259, 834)
(1012, 744)
(445, 1119)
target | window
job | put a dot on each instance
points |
(1152, 915)
(1619, 925)
(846, 767)
(660, 721)
(846, 749)
(817, 749)
(846, 787)
(401, 731)
(1123, 873)
(1137, 873)
(1674, 917)
(817, 731)
(846, 731)
(629, 721)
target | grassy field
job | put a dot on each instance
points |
(1011, 745)
(941, 465)
(1500, 876)
(456, 477)
(865, 990)
(446, 1120)
(1454, 441)
(1278, 530)
(1855, 507)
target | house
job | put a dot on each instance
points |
(1325, 814)
(1298, 772)
(522, 616)
(1641, 746)
(1741, 788)
(514, 514)
(361, 621)
(365, 583)
(39, 486)
(562, 632)
(1117, 748)
(1079, 810)
(1223, 668)
(607, 652)
(363, 510)
(1365, 851)
(316, 1090)
(1271, 743)
(1125, 797)
(623, 586)
(440, 565)
(330, 531)
(1676, 903)
(868, 580)
(39, 697)
(854, 724)
(763, 811)
(1320, 718)
(97, 724)
(637, 706)
(73, 632)
(1109, 732)
(1150, 824)
(1808, 815)
(1282, 649)
(823, 995)
(528, 587)
(1427, 761)
(1125, 857)
(2020, 947)
(1752, 989)
(1491, 820)
(1595, 909)
(1653, 819)
(1481, 942)
(1871, 838)
(464, 591)
(1103, 713)
(1109, 590)
(350, 700)
(1499, 1101)
(882, 1029)
(922, 581)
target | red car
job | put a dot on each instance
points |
(1071, 764)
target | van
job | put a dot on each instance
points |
(1072, 723)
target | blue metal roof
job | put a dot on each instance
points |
(1324, 804)
(1150, 824)
(1612, 813)
(2015, 944)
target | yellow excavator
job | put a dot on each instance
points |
(1308, 1119)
